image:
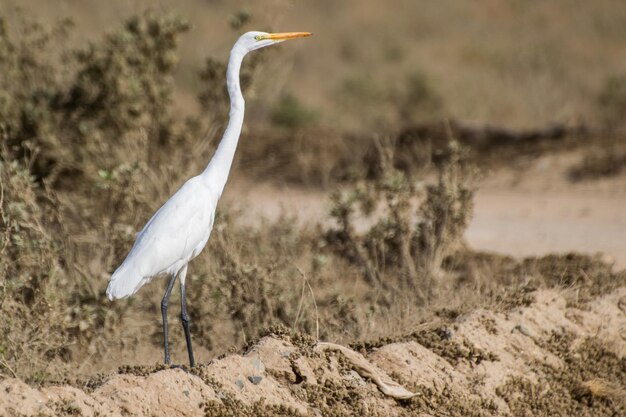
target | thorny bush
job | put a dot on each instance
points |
(415, 227)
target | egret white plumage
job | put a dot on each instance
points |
(180, 229)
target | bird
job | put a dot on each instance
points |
(180, 229)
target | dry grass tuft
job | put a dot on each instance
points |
(599, 389)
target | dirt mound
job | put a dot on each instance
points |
(551, 356)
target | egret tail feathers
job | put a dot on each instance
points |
(124, 282)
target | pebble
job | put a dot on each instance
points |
(522, 330)
(255, 379)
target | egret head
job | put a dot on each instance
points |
(255, 40)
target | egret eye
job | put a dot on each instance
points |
(259, 37)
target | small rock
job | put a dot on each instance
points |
(522, 330)
(255, 379)
(186, 392)
(239, 383)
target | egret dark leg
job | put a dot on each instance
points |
(184, 318)
(164, 305)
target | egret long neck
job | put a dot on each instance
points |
(216, 173)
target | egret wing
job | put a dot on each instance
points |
(172, 237)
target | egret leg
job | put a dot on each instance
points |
(164, 305)
(184, 317)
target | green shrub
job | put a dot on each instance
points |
(289, 112)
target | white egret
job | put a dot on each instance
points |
(180, 229)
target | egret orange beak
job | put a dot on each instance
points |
(287, 35)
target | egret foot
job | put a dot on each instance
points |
(181, 367)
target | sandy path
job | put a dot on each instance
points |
(535, 224)
(526, 219)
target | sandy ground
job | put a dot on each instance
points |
(478, 360)
(523, 225)
(537, 213)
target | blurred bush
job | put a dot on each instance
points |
(418, 102)
(612, 102)
(239, 19)
(123, 84)
(290, 113)
(599, 164)
(309, 156)
(213, 96)
(31, 88)
(401, 101)
(75, 122)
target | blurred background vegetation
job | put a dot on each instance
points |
(557, 60)
(107, 107)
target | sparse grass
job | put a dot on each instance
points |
(251, 280)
